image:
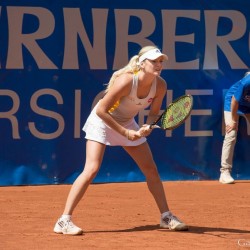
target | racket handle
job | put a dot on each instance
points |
(151, 126)
(154, 126)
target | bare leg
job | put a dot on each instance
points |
(143, 157)
(94, 156)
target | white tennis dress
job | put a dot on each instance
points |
(129, 106)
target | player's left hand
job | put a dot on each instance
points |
(145, 130)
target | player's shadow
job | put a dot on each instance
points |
(134, 229)
(207, 230)
(217, 231)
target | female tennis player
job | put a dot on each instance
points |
(111, 122)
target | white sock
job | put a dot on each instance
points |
(163, 215)
(66, 217)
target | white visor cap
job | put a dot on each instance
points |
(152, 55)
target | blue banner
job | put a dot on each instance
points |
(56, 57)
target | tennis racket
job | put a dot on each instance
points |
(175, 114)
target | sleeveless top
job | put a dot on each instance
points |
(129, 106)
(123, 112)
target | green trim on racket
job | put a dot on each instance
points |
(175, 114)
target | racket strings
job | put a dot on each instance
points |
(176, 113)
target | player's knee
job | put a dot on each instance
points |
(152, 173)
(91, 172)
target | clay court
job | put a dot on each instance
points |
(124, 216)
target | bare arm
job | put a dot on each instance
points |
(157, 102)
(234, 109)
(155, 106)
(121, 87)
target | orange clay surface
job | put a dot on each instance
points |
(124, 216)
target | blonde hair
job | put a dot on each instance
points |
(132, 67)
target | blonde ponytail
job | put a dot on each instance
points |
(132, 67)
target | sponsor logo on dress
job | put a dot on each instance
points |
(131, 98)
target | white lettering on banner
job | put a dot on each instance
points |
(74, 27)
(11, 114)
(17, 39)
(96, 50)
(33, 126)
(122, 21)
(48, 113)
(200, 112)
(169, 21)
(213, 41)
(77, 123)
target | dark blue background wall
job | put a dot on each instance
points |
(56, 56)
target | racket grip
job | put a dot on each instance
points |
(154, 126)
(151, 126)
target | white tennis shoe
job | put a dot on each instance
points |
(66, 226)
(173, 223)
(226, 178)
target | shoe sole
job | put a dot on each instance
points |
(60, 232)
(224, 182)
(178, 228)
